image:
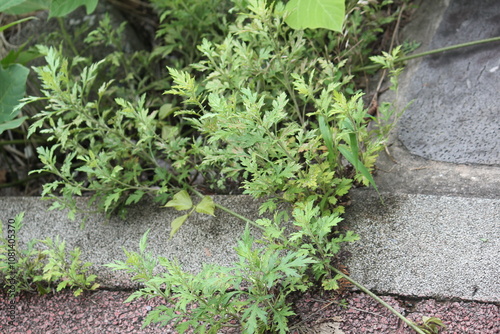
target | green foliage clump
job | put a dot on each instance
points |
(34, 269)
(260, 106)
(183, 25)
(252, 293)
(124, 151)
(277, 113)
(255, 102)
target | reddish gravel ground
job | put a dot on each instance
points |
(104, 312)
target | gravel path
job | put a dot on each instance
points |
(104, 312)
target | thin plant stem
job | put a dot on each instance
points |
(361, 287)
(237, 215)
(66, 36)
(431, 52)
(379, 300)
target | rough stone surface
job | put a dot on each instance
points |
(426, 246)
(455, 112)
(202, 239)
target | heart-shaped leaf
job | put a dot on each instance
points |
(181, 201)
(314, 14)
(206, 206)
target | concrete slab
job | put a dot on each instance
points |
(426, 246)
(438, 234)
(455, 116)
(202, 239)
(403, 172)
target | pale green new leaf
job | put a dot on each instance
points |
(330, 284)
(144, 241)
(328, 14)
(206, 206)
(181, 201)
(176, 224)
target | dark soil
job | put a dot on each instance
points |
(105, 312)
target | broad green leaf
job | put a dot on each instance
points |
(344, 150)
(60, 8)
(176, 224)
(23, 7)
(19, 56)
(206, 205)
(12, 89)
(328, 138)
(9, 4)
(12, 124)
(181, 201)
(328, 14)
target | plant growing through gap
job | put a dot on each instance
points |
(41, 265)
(286, 127)
(259, 105)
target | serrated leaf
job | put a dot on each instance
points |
(268, 206)
(110, 199)
(181, 201)
(251, 315)
(143, 242)
(135, 197)
(62, 285)
(328, 14)
(330, 284)
(176, 224)
(206, 206)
